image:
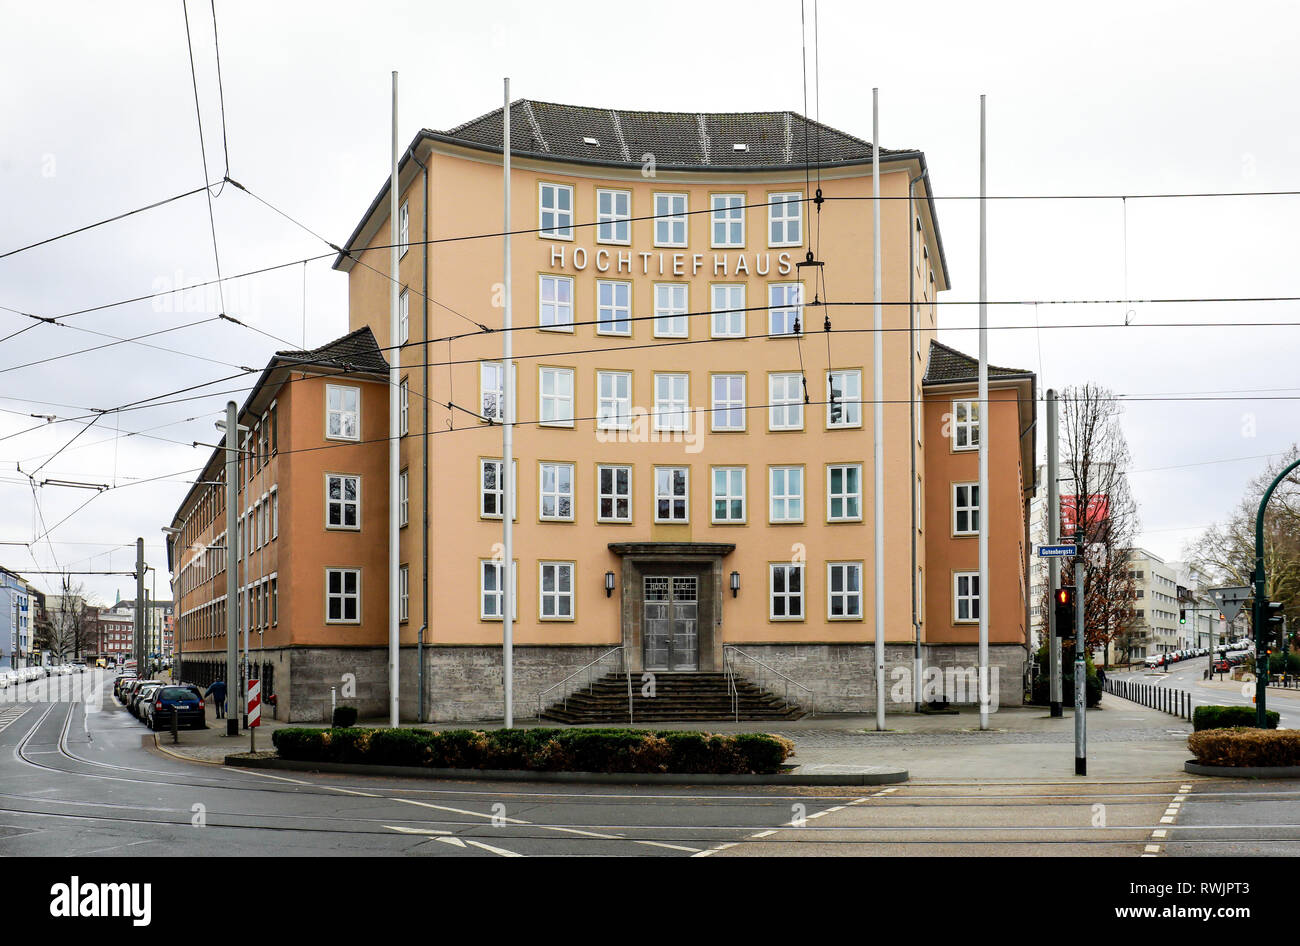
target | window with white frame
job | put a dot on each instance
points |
(275, 513)
(844, 492)
(672, 395)
(785, 494)
(785, 601)
(404, 228)
(613, 216)
(342, 501)
(966, 508)
(343, 595)
(556, 491)
(403, 498)
(672, 484)
(613, 400)
(844, 398)
(966, 596)
(492, 590)
(728, 310)
(405, 414)
(670, 219)
(785, 401)
(844, 590)
(404, 593)
(492, 390)
(965, 425)
(555, 214)
(492, 489)
(342, 412)
(785, 219)
(727, 220)
(555, 303)
(613, 307)
(728, 401)
(785, 308)
(670, 310)
(556, 591)
(404, 317)
(614, 493)
(728, 494)
(555, 388)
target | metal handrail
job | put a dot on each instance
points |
(541, 696)
(729, 670)
(812, 703)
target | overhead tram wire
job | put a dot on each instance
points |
(203, 151)
(221, 91)
(121, 341)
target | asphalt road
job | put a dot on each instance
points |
(83, 783)
(1187, 675)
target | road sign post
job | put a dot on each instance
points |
(254, 712)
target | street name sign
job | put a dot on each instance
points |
(1057, 551)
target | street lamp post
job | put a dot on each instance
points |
(1260, 606)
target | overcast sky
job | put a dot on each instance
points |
(97, 112)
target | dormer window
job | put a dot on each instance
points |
(740, 146)
(592, 142)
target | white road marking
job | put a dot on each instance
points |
(405, 830)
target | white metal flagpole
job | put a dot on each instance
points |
(878, 416)
(983, 427)
(394, 428)
(507, 445)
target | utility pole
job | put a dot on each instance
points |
(983, 425)
(394, 428)
(139, 608)
(507, 480)
(1080, 658)
(232, 565)
(1054, 565)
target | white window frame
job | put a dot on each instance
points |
(610, 222)
(343, 595)
(844, 594)
(404, 498)
(669, 403)
(722, 407)
(784, 404)
(557, 400)
(671, 320)
(970, 426)
(554, 323)
(563, 222)
(404, 415)
(613, 495)
(789, 308)
(728, 495)
(669, 220)
(958, 598)
(614, 410)
(275, 512)
(499, 593)
(555, 595)
(404, 593)
(342, 412)
(845, 494)
(779, 215)
(728, 320)
(969, 505)
(619, 320)
(671, 496)
(557, 494)
(487, 386)
(786, 496)
(786, 569)
(342, 502)
(850, 401)
(728, 214)
(499, 492)
(404, 317)
(404, 228)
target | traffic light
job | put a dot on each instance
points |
(1064, 603)
(1182, 615)
(1272, 632)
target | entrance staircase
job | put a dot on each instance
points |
(679, 697)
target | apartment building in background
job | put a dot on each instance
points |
(1155, 629)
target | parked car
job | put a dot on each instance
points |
(131, 689)
(143, 692)
(120, 683)
(186, 700)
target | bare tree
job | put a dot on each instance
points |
(1097, 455)
(71, 621)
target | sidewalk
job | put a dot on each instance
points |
(1124, 740)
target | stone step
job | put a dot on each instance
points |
(680, 696)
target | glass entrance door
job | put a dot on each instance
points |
(670, 630)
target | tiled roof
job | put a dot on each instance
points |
(947, 365)
(691, 140)
(356, 351)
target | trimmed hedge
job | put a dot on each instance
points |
(541, 750)
(1241, 747)
(1228, 717)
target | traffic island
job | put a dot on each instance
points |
(1245, 753)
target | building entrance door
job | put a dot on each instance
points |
(670, 633)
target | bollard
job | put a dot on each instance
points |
(176, 737)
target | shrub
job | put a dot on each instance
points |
(344, 717)
(1041, 694)
(1226, 717)
(1261, 747)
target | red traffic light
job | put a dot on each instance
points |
(1065, 596)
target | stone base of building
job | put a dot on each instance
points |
(464, 683)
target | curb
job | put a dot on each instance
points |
(1243, 771)
(869, 775)
(159, 747)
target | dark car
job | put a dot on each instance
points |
(132, 690)
(120, 684)
(185, 700)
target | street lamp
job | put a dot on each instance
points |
(609, 584)
(735, 584)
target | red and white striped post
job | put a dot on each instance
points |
(254, 712)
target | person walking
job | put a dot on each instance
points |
(218, 693)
